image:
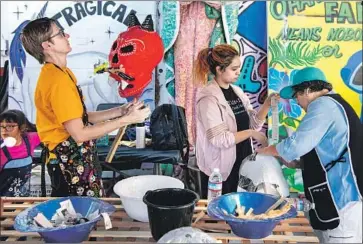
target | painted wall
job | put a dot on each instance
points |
(92, 25)
(327, 35)
(252, 45)
(250, 40)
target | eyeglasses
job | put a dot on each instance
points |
(61, 32)
(8, 127)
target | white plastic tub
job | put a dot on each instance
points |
(132, 190)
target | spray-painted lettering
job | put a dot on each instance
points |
(81, 10)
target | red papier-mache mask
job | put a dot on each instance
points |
(139, 49)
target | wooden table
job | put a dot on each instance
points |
(126, 230)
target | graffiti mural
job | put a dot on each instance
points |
(323, 34)
(93, 26)
(250, 40)
(186, 28)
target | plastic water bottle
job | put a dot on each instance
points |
(140, 135)
(301, 204)
(275, 121)
(215, 184)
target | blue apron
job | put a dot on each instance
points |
(325, 216)
(16, 173)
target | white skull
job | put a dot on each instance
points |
(65, 143)
(75, 179)
(90, 193)
(80, 191)
(83, 150)
(64, 158)
(80, 169)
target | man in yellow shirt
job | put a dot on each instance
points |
(63, 123)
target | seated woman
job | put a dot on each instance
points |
(226, 121)
(15, 162)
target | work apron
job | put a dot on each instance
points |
(316, 187)
(16, 173)
(74, 169)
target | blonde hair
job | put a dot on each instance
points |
(210, 58)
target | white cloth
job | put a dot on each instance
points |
(349, 229)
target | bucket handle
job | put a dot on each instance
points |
(144, 197)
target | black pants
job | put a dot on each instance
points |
(228, 186)
(58, 182)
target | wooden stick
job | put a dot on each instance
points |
(275, 205)
(115, 144)
(199, 217)
(249, 212)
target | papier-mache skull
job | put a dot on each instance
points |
(139, 49)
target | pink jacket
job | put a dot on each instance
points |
(216, 125)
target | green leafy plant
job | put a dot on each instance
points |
(293, 54)
(288, 121)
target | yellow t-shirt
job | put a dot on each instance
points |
(57, 101)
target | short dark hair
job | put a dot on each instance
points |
(314, 86)
(34, 34)
(18, 117)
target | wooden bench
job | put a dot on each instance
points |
(127, 230)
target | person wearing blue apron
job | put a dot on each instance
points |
(328, 143)
(15, 174)
(16, 161)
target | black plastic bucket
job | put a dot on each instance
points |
(169, 209)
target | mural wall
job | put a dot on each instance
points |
(93, 26)
(327, 35)
(249, 40)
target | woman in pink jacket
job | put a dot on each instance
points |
(226, 121)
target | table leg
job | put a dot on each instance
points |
(115, 179)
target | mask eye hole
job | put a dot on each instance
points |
(127, 49)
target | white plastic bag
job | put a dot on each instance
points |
(265, 173)
(186, 235)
